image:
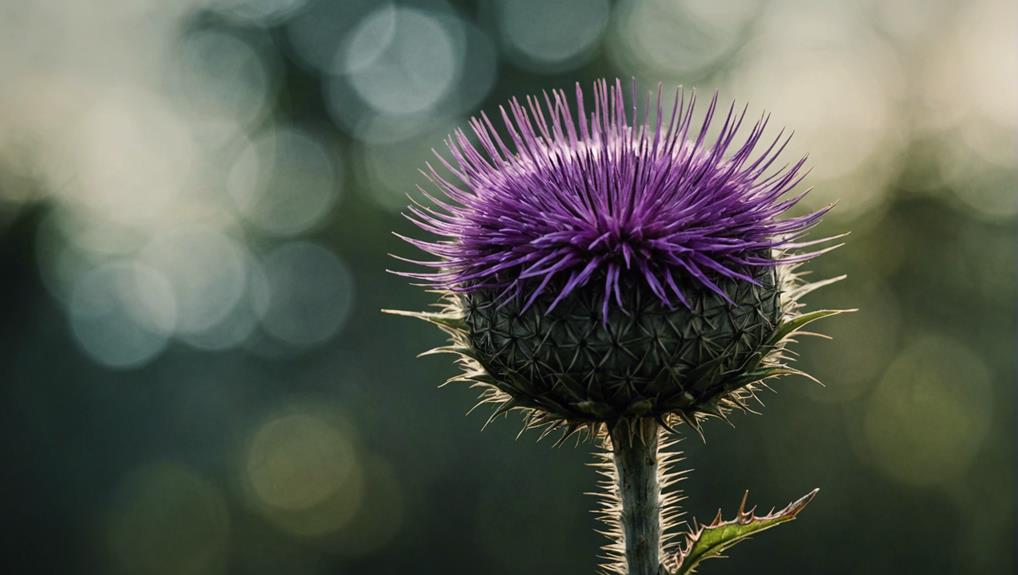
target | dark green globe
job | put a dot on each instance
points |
(645, 359)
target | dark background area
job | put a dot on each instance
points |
(195, 211)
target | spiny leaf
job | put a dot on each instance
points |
(449, 320)
(768, 373)
(799, 321)
(809, 287)
(710, 541)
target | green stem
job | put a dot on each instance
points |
(634, 450)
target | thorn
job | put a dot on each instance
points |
(502, 409)
(690, 420)
(664, 425)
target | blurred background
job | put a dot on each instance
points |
(196, 200)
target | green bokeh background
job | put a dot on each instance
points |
(340, 456)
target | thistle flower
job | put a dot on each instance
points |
(606, 266)
(614, 272)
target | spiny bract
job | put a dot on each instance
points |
(609, 265)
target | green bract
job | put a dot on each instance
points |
(644, 358)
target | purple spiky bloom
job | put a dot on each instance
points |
(605, 194)
(542, 231)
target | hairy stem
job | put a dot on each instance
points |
(635, 454)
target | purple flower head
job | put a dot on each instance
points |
(594, 195)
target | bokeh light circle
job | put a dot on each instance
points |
(122, 314)
(552, 36)
(239, 325)
(221, 78)
(679, 38)
(285, 181)
(302, 470)
(297, 461)
(206, 270)
(310, 294)
(358, 63)
(400, 60)
(928, 417)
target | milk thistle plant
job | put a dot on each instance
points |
(619, 275)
